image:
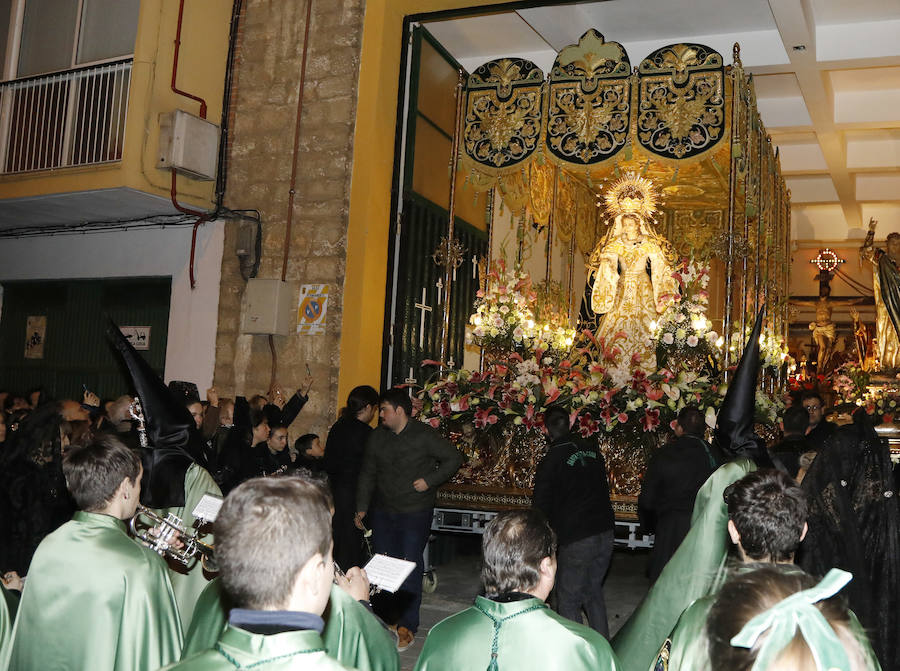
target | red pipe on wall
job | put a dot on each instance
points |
(175, 65)
(202, 217)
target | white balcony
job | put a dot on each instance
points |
(71, 118)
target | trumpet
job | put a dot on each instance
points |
(168, 530)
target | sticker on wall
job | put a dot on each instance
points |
(312, 308)
(138, 336)
(35, 334)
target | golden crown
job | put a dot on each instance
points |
(631, 194)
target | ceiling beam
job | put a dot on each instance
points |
(796, 25)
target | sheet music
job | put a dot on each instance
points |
(207, 508)
(388, 573)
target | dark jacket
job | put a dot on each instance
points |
(571, 489)
(822, 432)
(393, 461)
(344, 449)
(675, 473)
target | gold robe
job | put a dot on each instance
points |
(630, 298)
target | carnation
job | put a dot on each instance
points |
(668, 338)
(692, 341)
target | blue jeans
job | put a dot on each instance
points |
(403, 535)
(582, 566)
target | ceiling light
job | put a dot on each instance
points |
(799, 47)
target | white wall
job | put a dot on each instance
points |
(146, 252)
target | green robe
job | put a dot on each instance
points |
(9, 603)
(352, 635)
(237, 648)
(95, 599)
(189, 582)
(534, 637)
(696, 568)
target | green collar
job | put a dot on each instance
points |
(99, 520)
(245, 650)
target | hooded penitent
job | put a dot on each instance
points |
(733, 434)
(173, 447)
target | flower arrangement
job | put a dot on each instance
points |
(850, 382)
(683, 333)
(773, 351)
(505, 321)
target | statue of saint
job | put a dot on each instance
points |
(886, 285)
(632, 272)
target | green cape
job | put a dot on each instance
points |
(188, 583)
(693, 571)
(9, 603)
(352, 635)
(239, 649)
(532, 637)
(95, 599)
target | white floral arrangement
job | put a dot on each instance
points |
(684, 328)
(773, 351)
(504, 319)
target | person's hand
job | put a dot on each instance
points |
(277, 396)
(873, 222)
(91, 399)
(358, 520)
(12, 580)
(420, 485)
(307, 385)
(355, 582)
(213, 397)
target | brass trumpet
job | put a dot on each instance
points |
(167, 531)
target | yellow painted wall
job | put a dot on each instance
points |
(370, 197)
(201, 71)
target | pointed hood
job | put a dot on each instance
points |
(734, 423)
(168, 423)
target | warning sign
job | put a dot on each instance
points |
(312, 308)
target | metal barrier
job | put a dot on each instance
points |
(70, 118)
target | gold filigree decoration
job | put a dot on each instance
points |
(541, 191)
(695, 231)
(503, 113)
(564, 219)
(681, 107)
(589, 101)
(586, 224)
(631, 194)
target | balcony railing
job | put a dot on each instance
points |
(70, 118)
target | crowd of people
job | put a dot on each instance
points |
(766, 558)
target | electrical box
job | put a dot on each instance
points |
(269, 307)
(188, 144)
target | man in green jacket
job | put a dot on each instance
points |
(96, 599)
(512, 627)
(273, 546)
(405, 461)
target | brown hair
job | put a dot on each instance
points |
(749, 594)
(513, 546)
(95, 471)
(266, 531)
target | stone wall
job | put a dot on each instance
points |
(264, 108)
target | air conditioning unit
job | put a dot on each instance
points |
(188, 144)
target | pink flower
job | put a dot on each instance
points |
(483, 418)
(587, 426)
(623, 417)
(435, 422)
(650, 420)
(655, 394)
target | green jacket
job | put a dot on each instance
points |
(393, 461)
(95, 599)
(240, 649)
(9, 603)
(188, 582)
(530, 636)
(696, 568)
(352, 635)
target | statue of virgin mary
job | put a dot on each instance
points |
(632, 273)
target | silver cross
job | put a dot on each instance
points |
(423, 308)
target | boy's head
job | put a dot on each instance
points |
(273, 545)
(767, 513)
